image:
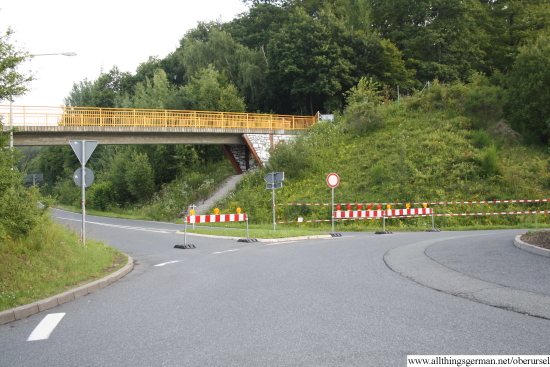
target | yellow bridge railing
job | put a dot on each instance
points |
(91, 116)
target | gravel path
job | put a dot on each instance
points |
(222, 191)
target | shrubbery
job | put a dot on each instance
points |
(20, 208)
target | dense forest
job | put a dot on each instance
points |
(305, 56)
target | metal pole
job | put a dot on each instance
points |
(185, 231)
(332, 210)
(273, 196)
(247, 237)
(384, 222)
(11, 123)
(83, 193)
(433, 225)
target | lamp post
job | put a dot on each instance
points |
(11, 97)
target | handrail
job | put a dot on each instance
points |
(94, 116)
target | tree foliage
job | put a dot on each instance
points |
(19, 207)
(529, 102)
(13, 82)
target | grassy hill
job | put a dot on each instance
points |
(440, 145)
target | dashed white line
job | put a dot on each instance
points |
(169, 262)
(221, 252)
(46, 326)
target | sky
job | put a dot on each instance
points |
(102, 33)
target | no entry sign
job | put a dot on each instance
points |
(333, 180)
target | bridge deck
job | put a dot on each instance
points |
(117, 117)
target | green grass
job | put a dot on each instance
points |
(424, 152)
(49, 261)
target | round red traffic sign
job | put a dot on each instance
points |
(333, 180)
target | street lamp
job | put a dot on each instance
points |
(11, 97)
(61, 53)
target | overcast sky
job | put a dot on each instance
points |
(102, 33)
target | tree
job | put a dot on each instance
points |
(307, 64)
(12, 81)
(139, 177)
(512, 23)
(242, 66)
(211, 91)
(102, 92)
(18, 206)
(443, 39)
(529, 101)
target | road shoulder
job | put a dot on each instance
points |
(54, 301)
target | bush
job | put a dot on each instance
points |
(292, 157)
(362, 119)
(485, 105)
(489, 162)
(101, 195)
(481, 138)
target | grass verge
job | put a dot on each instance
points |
(121, 215)
(49, 261)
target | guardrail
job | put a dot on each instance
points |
(91, 116)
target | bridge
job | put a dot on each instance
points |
(244, 136)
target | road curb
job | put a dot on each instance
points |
(26, 310)
(530, 248)
(411, 261)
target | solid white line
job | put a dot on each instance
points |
(221, 252)
(119, 226)
(169, 262)
(46, 326)
(279, 243)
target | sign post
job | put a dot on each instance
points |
(274, 182)
(333, 180)
(83, 150)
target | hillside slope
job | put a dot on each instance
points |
(423, 150)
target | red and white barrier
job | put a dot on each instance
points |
(432, 203)
(416, 211)
(499, 213)
(359, 214)
(216, 218)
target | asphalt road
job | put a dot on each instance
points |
(359, 300)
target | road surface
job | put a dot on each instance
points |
(357, 300)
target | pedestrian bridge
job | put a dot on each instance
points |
(57, 125)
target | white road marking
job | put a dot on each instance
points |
(279, 243)
(221, 252)
(169, 262)
(119, 226)
(46, 326)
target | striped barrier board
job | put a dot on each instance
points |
(416, 211)
(216, 218)
(359, 214)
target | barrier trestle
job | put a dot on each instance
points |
(214, 218)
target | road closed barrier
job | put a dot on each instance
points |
(214, 218)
